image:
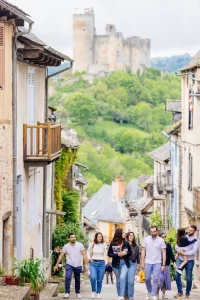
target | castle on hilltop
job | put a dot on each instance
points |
(106, 53)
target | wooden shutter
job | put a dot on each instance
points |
(2, 55)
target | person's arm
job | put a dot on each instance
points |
(110, 252)
(143, 257)
(163, 259)
(193, 251)
(170, 253)
(129, 253)
(89, 252)
(58, 261)
(191, 242)
(83, 252)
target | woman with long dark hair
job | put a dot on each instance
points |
(96, 253)
(134, 265)
(120, 251)
(165, 279)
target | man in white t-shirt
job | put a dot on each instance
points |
(73, 251)
(153, 259)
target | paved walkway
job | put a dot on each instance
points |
(109, 292)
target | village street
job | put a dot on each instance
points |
(109, 292)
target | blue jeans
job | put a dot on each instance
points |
(121, 274)
(154, 269)
(68, 278)
(97, 270)
(188, 269)
(130, 280)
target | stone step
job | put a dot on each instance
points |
(11, 292)
(2, 281)
(50, 290)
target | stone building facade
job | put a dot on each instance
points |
(106, 53)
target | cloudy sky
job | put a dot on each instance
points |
(172, 25)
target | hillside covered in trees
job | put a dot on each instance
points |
(118, 118)
(170, 64)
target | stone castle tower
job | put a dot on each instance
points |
(106, 53)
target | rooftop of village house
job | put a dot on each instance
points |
(161, 154)
(195, 62)
(174, 105)
(34, 50)
(174, 128)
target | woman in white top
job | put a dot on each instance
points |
(96, 253)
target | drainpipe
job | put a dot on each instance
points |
(14, 104)
(45, 171)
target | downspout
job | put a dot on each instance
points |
(14, 104)
(44, 229)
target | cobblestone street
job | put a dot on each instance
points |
(109, 292)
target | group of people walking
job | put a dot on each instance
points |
(156, 257)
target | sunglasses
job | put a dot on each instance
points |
(163, 236)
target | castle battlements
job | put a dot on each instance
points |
(109, 52)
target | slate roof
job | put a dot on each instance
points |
(68, 140)
(174, 105)
(174, 128)
(34, 39)
(195, 62)
(161, 154)
(15, 11)
(131, 191)
(101, 208)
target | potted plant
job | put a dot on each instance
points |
(2, 276)
(31, 273)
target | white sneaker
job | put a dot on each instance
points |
(78, 296)
(98, 296)
(155, 298)
(164, 296)
(179, 271)
(93, 295)
(148, 296)
(66, 296)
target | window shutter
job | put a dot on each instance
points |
(2, 55)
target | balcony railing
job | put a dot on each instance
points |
(196, 200)
(164, 182)
(42, 142)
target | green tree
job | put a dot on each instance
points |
(156, 219)
(71, 200)
(82, 107)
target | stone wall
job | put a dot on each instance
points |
(111, 51)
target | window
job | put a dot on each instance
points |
(190, 172)
(190, 109)
(2, 56)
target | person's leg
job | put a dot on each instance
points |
(93, 276)
(123, 275)
(156, 276)
(77, 277)
(126, 285)
(184, 262)
(117, 275)
(178, 278)
(131, 279)
(189, 272)
(100, 274)
(107, 275)
(148, 272)
(68, 278)
(111, 277)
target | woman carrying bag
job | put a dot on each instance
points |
(96, 253)
(120, 251)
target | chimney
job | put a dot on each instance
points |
(118, 188)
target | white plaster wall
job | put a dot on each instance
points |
(32, 237)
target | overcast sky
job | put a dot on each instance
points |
(172, 25)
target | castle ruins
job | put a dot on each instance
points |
(106, 53)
